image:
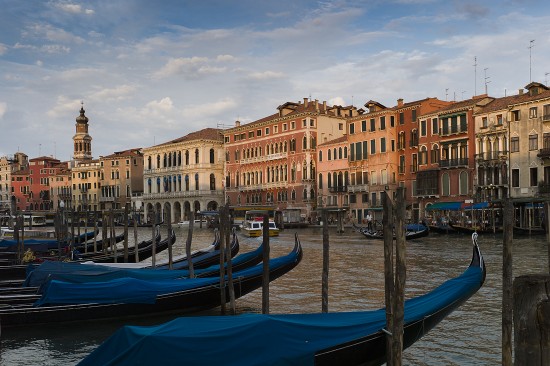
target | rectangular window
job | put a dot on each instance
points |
(365, 198)
(383, 145)
(435, 126)
(514, 144)
(533, 177)
(304, 123)
(383, 123)
(312, 123)
(392, 145)
(463, 123)
(363, 126)
(454, 124)
(358, 155)
(365, 150)
(515, 115)
(258, 133)
(372, 146)
(401, 118)
(499, 120)
(373, 177)
(351, 128)
(414, 115)
(515, 178)
(267, 130)
(275, 129)
(484, 123)
(533, 142)
(292, 125)
(533, 112)
(423, 128)
(392, 121)
(284, 127)
(352, 152)
(445, 126)
(340, 126)
(372, 125)
(546, 112)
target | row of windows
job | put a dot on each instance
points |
(267, 130)
(270, 149)
(335, 153)
(361, 150)
(175, 159)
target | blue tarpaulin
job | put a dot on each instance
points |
(477, 206)
(263, 339)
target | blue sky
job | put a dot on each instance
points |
(149, 72)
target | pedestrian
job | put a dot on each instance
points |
(369, 221)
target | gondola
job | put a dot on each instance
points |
(19, 271)
(131, 297)
(349, 338)
(43, 245)
(475, 229)
(411, 232)
(529, 230)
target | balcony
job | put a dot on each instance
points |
(352, 188)
(453, 163)
(338, 189)
(544, 153)
(491, 155)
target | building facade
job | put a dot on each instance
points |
(273, 161)
(184, 174)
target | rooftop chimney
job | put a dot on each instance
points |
(400, 102)
(237, 123)
(306, 102)
(521, 91)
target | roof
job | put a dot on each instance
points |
(204, 134)
(335, 141)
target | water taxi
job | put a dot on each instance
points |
(254, 227)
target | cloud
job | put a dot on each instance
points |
(266, 75)
(50, 33)
(3, 49)
(209, 109)
(118, 93)
(73, 8)
(189, 67)
(3, 109)
(63, 107)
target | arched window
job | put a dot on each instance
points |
(293, 172)
(212, 182)
(320, 155)
(329, 153)
(320, 182)
(304, 170)
(311, 170)
(211, 156)
(345, 152)
(149, 162)
(186, 157)
(304, 193)
(186, 182)
(158, 162)
(329, 182)
(340, 153)
(293, 195)
(164, 161)
(197, 181)
(304, 143)
(196, 156)
(179, 158)
(463, 183)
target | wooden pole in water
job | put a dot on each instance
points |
(126, 233)
(78, 232)
(532, 320)
(400, 277)
(96, 230)
(168, 220)
(223, 299)
(265, 274)
(71, 239)
(136, 254)
(104, 232)
(387, 228)
(232, 307)
(507, 283)
(154, 243)
(326, 250)
(188, 243)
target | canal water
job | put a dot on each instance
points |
(469, 336)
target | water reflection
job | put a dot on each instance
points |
(469, 336)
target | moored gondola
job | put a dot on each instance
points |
(350, 338)
(66, 302)
(415, 231)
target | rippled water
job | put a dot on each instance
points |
(469, 336)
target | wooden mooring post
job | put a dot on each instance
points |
(326, 248)
(532, 320)
(188, 244)
(507, 296)
(265, 274)
(395, 277)
(153, 236)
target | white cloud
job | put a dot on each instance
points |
(3, 109)
(209, 109)
(266, 75)
(3, 49)
(64, 106)
(118, 93)
(73, 8)
(50, 33)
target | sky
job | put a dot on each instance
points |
(148, 71)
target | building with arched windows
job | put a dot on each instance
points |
(184, 174)
(273, 161)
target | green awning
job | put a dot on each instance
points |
(443, 206)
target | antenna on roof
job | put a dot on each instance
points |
(531, 45)
(486, 77)
(545, 78)
(446, 94)
(475, 75)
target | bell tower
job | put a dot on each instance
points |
(82, 140)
